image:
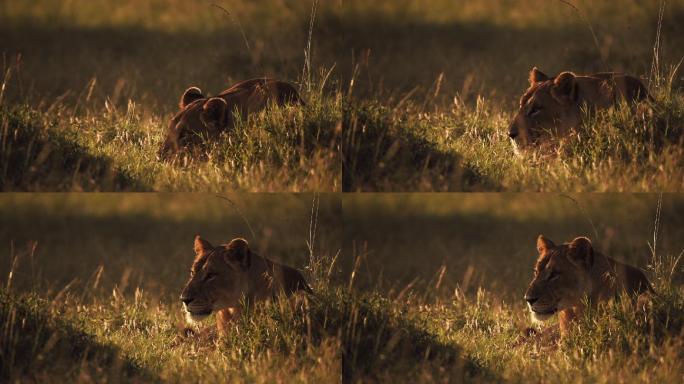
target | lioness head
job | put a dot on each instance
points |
(550, 106)
(561, 276)
(218, 278)
(198, 118)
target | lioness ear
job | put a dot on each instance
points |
(543, 244)
(241, 252)
(581, 252)
(214, 112)
(191, 94)
(537, 76)
(565, 87)
(202, 246)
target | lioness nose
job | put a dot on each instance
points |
(531, 300)
(186, 300)
(512, 132)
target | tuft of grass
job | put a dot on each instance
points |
(41, 340)
(37, 154)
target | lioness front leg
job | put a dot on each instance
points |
(224, 317)
(566, 318)
(544, 338)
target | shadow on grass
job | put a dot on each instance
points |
(36, 343)
(381, 153)
(380, 342)
(37, 157)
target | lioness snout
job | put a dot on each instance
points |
(186, 300)
(531, 300)
(512, 132)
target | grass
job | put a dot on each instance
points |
(419, 287)
(402, 96)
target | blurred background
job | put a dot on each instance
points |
(151, 50)
(145, 241)
(475, 240)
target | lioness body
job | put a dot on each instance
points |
(566, 274)
(553, 105)
(202, 117)
(224, 275)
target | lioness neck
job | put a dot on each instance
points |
(265, 278)
(610, 277)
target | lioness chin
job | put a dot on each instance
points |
(566, 274)
(553, 106)
(224, 275)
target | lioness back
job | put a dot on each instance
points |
(281, 92)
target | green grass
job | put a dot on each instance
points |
(402, 96)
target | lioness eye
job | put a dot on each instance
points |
(534, 111)
(554, 275)
(210, 276)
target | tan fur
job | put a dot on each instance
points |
(565, 274)
(552, 106)
(201, 117)
(224, 275)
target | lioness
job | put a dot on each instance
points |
(201, 117)
(221, 276)
(564, 274)
(553, 105)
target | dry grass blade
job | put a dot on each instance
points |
(239, 212)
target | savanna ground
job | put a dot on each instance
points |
(457, 266)
(402, 94)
